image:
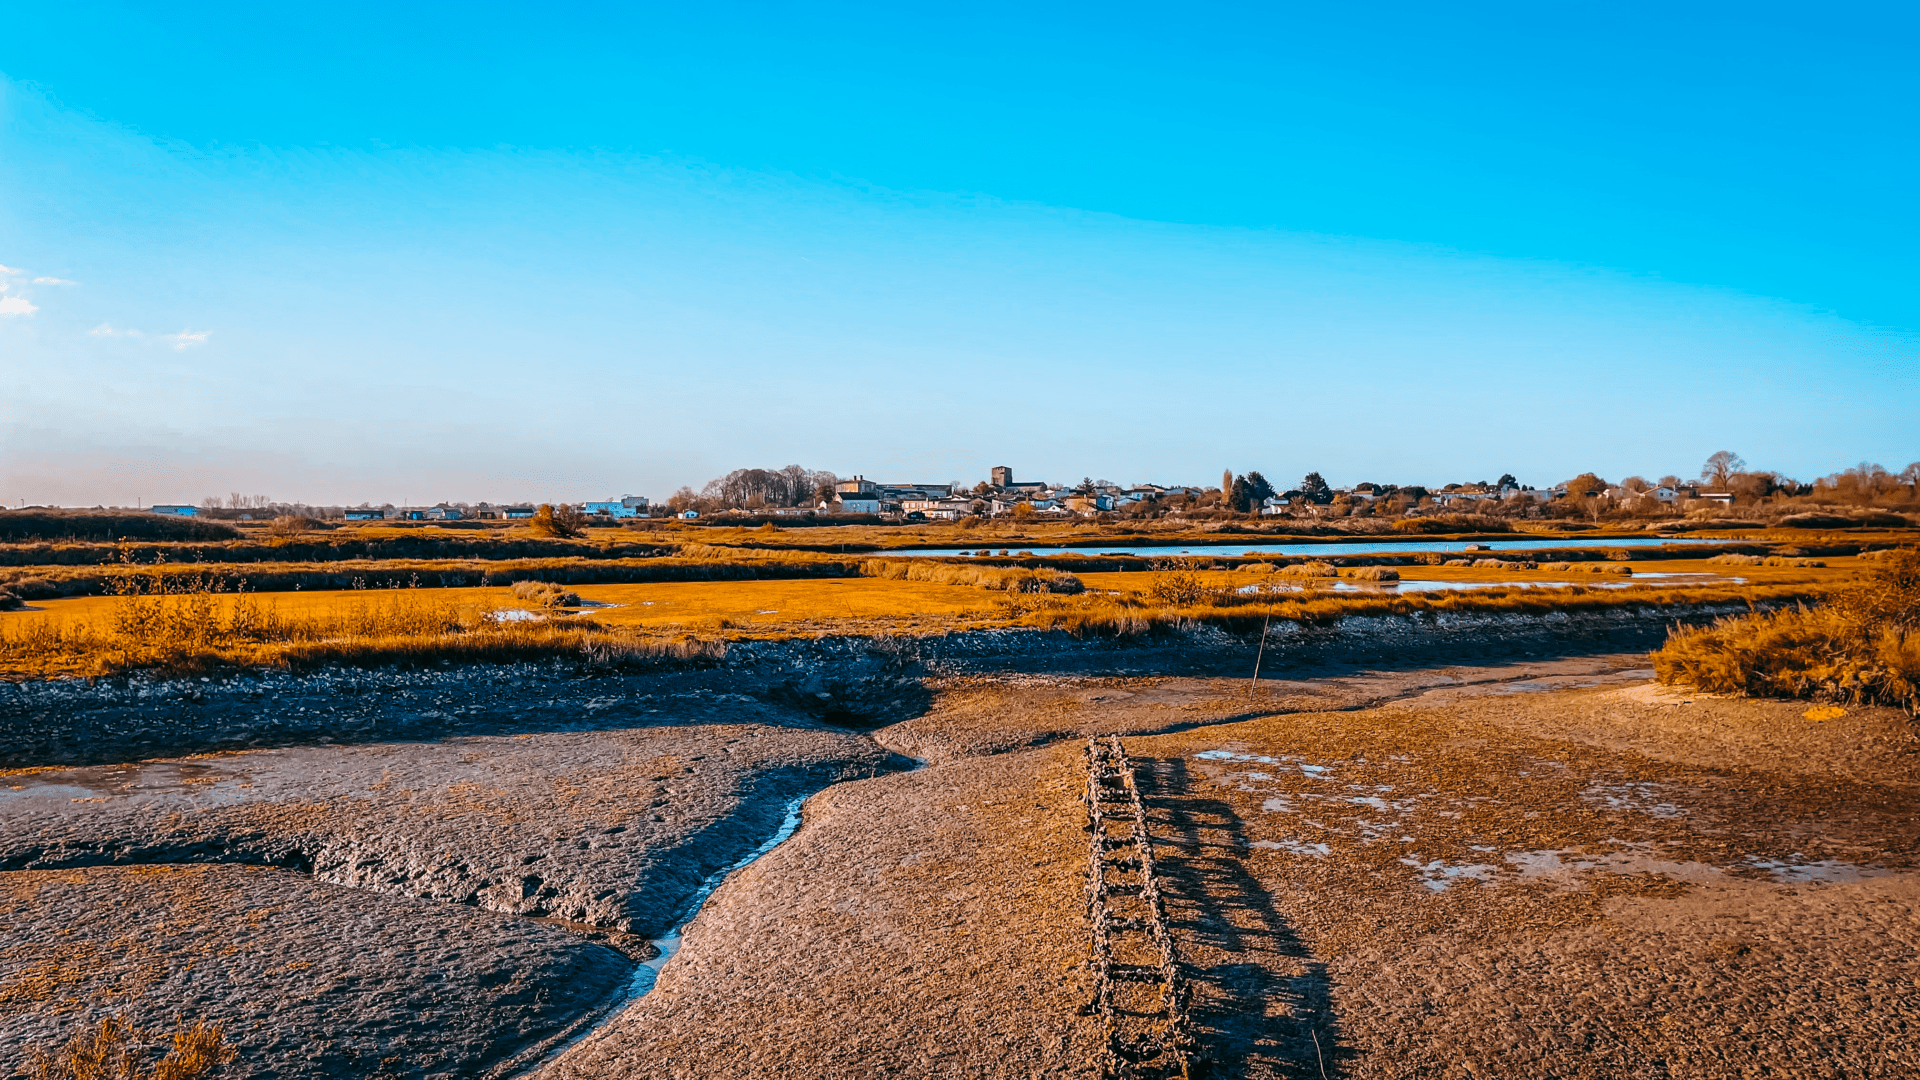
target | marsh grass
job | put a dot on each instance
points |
(115, 1049)
(1861, 646)
(1013, 579)
(1123, 614)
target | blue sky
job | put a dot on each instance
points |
(476, 252)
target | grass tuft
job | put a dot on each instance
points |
(1861, 646)
(117, 1050)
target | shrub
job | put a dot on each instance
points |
(294, 525)
(1734, 559)
(1371, 573)
(1862, 646)
(1008, 579)
(546, 594)
(562, 522)
(23, 526)
(1311, 569)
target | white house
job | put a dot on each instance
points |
(856, 502)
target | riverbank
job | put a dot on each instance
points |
(1512, 802)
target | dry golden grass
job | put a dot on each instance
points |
(1003, 578)
(1862, 645)
(183, 629)
(117, 1050)
(790, 606)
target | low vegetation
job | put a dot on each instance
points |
(1861, 646)
(115, 1049)
(545, 594)
(30, 526)
(1007, 579)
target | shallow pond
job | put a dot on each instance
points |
(1366, 547)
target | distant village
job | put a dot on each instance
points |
(794, 492)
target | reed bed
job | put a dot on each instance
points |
(1124, 614)
(1860, 647)
(1018, 579)
(169, 624)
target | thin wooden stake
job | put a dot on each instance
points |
(1262, 651)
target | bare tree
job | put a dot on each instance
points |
(1721, 467)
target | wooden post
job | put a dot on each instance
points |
(1258, 654)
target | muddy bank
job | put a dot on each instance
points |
(307, 979)
(610, 829)
(918, 925)
(854, 682)
(1515, 875)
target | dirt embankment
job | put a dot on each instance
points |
(851, 682)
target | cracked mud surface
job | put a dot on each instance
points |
(1522, 869)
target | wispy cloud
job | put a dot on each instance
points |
(53, 281)
(11, 306)
(10, 271)
(107, 330)
(185, 338)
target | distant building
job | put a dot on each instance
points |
(1002, 476)
(636, 503)
(613, 508)
(689, 515)
(174, 511)
(365, 513)
(856, 502)
(515, 512)
(1723, 498)
(859, 485)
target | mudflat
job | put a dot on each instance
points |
(1508, 872)
(1527, 869)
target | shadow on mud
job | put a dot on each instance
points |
(1251, 1017)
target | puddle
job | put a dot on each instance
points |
(514, 615)
(1564, 864)
(48, 791)
(1295, 847)
(1439, 876)
(1641, 798)
(1825, 871)
(1307, 769)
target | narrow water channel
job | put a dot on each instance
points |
(667, 945)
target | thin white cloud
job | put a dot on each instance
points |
(53, 281)
(11, 306)
(11, 272)
(187, 337)
(107, 330)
